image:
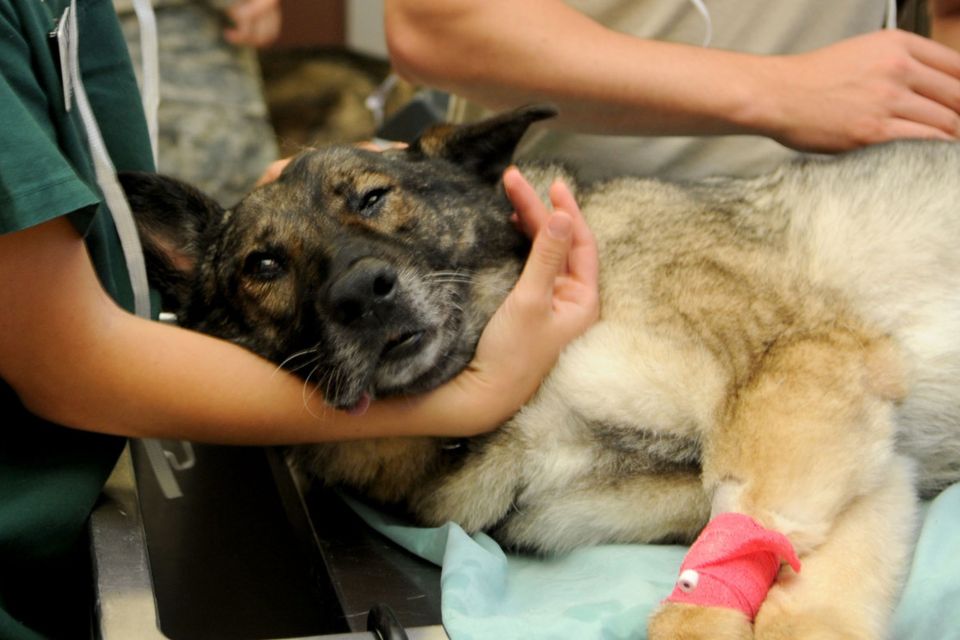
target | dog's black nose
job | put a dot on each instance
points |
(364, 290)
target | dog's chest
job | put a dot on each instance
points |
(619, 402)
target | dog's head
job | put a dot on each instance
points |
(368, 274)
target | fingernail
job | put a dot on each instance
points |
(558, 226)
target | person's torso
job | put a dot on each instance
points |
(51, 476)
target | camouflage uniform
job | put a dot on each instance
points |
(214, 130)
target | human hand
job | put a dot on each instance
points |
(555, 300)
(872, 88)
(255, 22)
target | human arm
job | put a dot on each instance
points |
(256, 23)
(74, 357)
(500, 53)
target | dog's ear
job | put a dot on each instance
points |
(485, 147)
(171, 219)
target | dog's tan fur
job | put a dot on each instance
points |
(786, 347)
(783, 327)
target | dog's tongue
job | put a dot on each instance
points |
(362, 405)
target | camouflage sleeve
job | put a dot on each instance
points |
(214, 130)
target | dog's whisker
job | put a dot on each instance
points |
(452, 272)
(449, 282)
(294, 356)
(454, 277)
(450, 276)
(447, 274)
(333, 382)
(306, 397)
(300, 354)
(311, 361)
(328, 387)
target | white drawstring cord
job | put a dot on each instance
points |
(702, 8)
(889, 23)
(106, 176)
(149, 58)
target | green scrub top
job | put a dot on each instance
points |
(50, 476)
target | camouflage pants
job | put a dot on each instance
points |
(214, 130)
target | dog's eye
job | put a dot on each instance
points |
(264, 265)
(371, 200)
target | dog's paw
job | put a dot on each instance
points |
(677, 621)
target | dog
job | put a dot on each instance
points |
(785, 346)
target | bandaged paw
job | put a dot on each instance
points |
(733, 564)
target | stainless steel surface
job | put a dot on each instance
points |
(434, 632)
(124, 591)
(364, 567)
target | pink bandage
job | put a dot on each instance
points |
(733, 564)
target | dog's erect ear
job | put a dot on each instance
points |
(485, 147)
(171, 218)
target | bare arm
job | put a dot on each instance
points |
(503, 53)
(76, 358)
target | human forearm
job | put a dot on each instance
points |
(186, 385)
(866, 89)
(503, 54)
(142, 379)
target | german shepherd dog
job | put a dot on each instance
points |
(786, 347)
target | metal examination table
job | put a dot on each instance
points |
(247, 553)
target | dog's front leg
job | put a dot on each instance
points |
(849, 584)
(801, 459)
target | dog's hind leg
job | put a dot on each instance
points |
(803, 442)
